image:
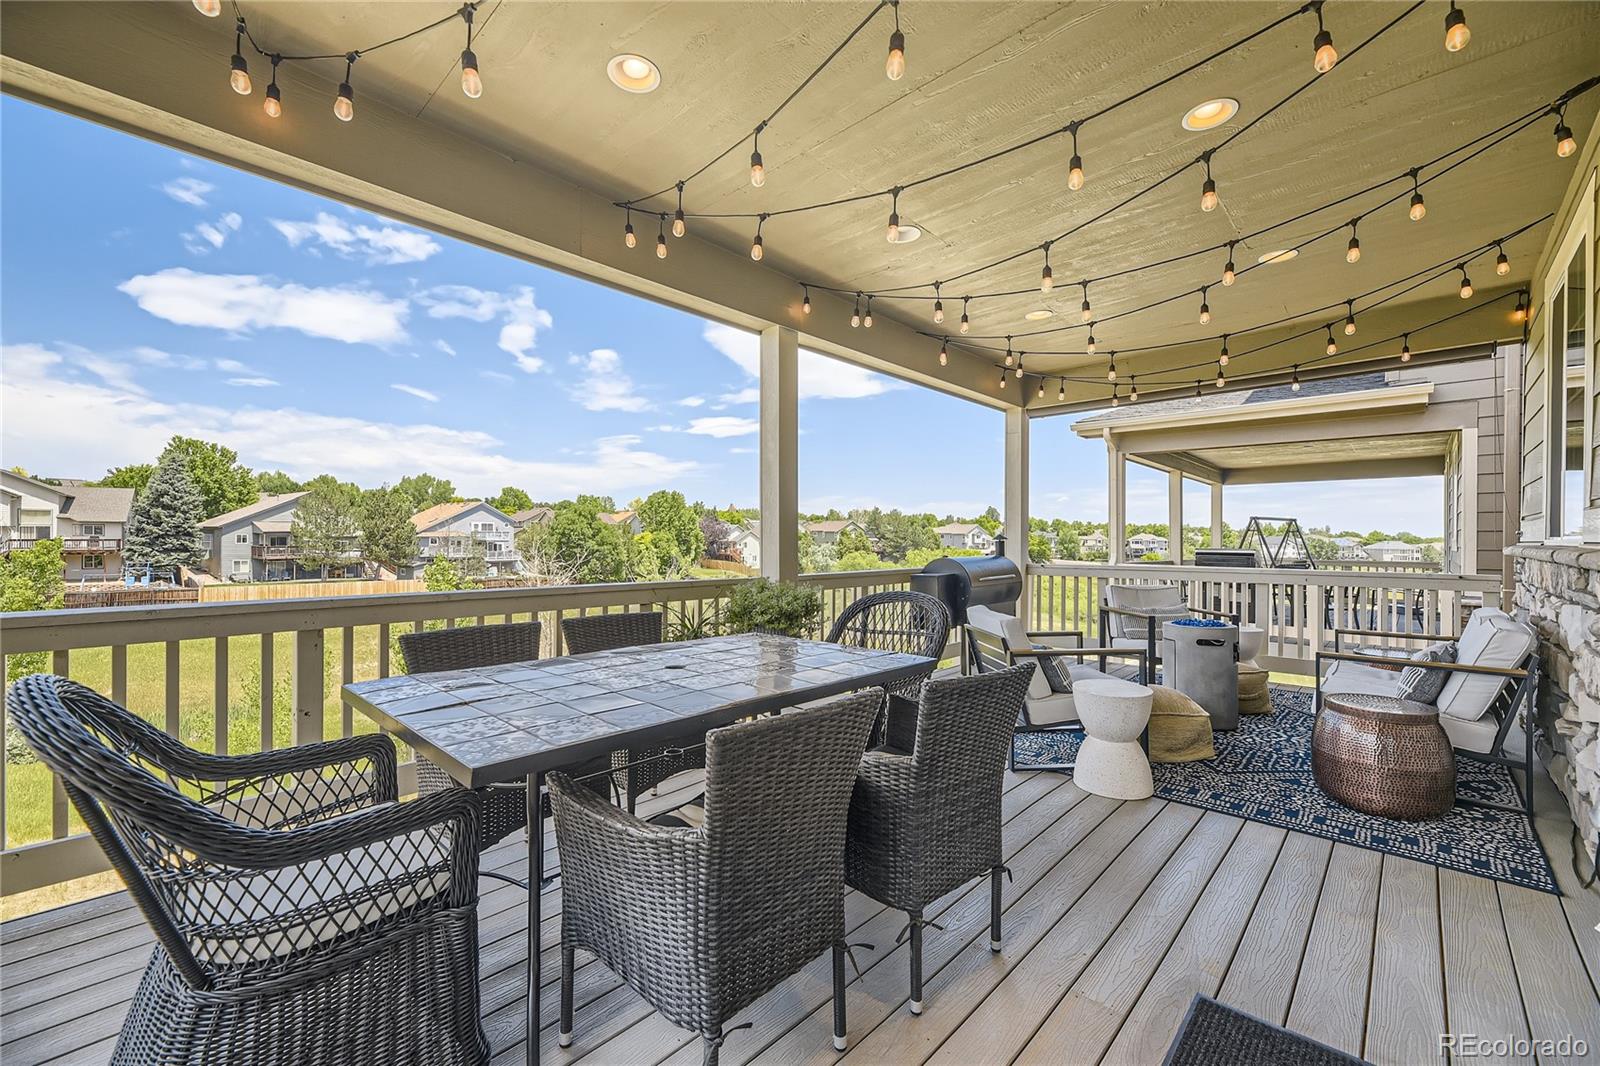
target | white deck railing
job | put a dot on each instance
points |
(1297, 608)
(189, 668)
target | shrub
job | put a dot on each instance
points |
(759, 604)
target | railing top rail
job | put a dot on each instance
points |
(1375, 578)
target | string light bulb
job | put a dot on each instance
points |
(1405, 347)
(1566, 143)
(1333, 345)
(1205, 308)
(866, 319)
(1075, 167)
(1222, 378)
(1061, 392)
(966, 323)
(758, 173)
(894, 217)
(1419, 209)
(1208, 191)
(1133, 390)
(1114, 400)
(1010, 356)
(944, 352)
(1519, 314)
(1047, 280)
(1089, 344)
(855, 316)
(1018, 370)
(661, 236)
(1352, 252)
(756, 251)
(895, 65)
(344, 104)
(1349, 318)
(471, 81)
(1111, 367)
(1325, 55)
(1456, 34)
(1228, 273)
(680, 225)
(1041, 388)
(938, 306)
(1466, 283)
(1502, 264)
(629, 238)
(209, 8)
(1087, 314)
(239, 74)
(1199, 389)
(1002, 377)
(272, 104)
(1294, 378)
(1222, 356)
(805, 304)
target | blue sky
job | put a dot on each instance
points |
(145, 292)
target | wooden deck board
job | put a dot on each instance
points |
(1119, 914)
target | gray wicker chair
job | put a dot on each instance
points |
(902, 621)
(925, 823)
(702, 922)
(505, 805)
(301, 914)
(634, 772)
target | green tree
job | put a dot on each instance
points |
(899, 534)
(852, 541)
(276, 483)
(134, 476)
(989, 520)
(511, 500)
(325, 527)
(674, 529)
(443, 575)
(223, 484)
(860, 560)
(164, 528)
(387, 536)
(426, 491)
(575, 546)
(31, 580)
(1038, 548)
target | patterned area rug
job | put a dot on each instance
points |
(1262, 772)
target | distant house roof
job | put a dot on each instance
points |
(533, 514)
(261, 506)
(93, 504)
(831, 526)
(440, 513)
(617, 518)
(961, 529)
(752, 527)
(1222, 402)
(1388, 544)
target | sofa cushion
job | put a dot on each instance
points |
(1420, 684)
(1162, 602)
(1492, 638)
(1014, 631)
(1478, 734)
(1054, 709)
(1348, 678)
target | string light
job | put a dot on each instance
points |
(1041, 388)
(239, 74)
(1405, 347)
(1205, 308)
(1222, 378)
(661, 236)
(1294, 379)
(756, 251)
(1114, 401)
(866, 319)
(1133, 390)
(1325, 55)
(1456, 34)
(966, 324)
(1199, 390)
(1061, 393)
(1519, 314)
(1018, 371)
(679, 225)
(471, 81)
(1418, 208)
(1466, 283)
(1333, 345)
(273, 103)
(938, 305)
(1222, 356)
(344, 105)
(1228, 273)
(1208, 191)
(1010, 357)
(628, 236)
(855, 316)
(1087, 314)
(894, 217)
(805, 305)
(1075, 167)
(209, 8)
(1502, 265)
(895, 65)
(944, 352)
(1566, 143)
(1352, 252)
(758, 173)
(1047, 280)
(1111, 367)
(1349, 318)
(1002, 377)
(1089, 344)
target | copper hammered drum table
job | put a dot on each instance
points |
(1383, 755)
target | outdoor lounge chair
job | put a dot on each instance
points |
(902, 621)
(998, 641)
(1487, 705)
(926, 822)
(703, 921)
(1131, 616)
(301, 914)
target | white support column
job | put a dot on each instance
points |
(1469, 501)
(1117, 502)
(1175, 515)
(1016, 496)
(780, 459)
(1216, 514)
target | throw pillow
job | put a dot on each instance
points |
(1420, 684)
(1054, 670)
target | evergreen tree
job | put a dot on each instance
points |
(325, 527)
(164, 528)
(387, 536)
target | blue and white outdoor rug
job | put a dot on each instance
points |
(1262, 772)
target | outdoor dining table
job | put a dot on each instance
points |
(519, 720)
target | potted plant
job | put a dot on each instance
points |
(762, 606)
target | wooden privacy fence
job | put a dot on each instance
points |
(128, 596)
(223, 592)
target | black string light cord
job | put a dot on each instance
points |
(284, 57)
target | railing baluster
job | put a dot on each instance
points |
(309, 687)
(119, 674)
(268, 685)
(383, 649)
(347, 674)
(219, 689)
(61, 665)
(174, 688)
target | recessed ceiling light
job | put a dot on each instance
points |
(1282, 255)
(633, 73)
(1211, 114)
(908, 232)
(1038, 314)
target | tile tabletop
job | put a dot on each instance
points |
(499, 723)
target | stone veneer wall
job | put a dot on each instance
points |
(1559, 587)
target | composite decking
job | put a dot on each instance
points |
(1118, 914)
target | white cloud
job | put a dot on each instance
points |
(156, 357)
(723, 426)
(186, 190)
(746, 395)
(692, 401)
(495, 375)
(207, 237)
(605, 386)
(243, 302)
(232, 366)
(48, 420)
(378, 245)
(521, 317)
(444, 346)
(252, 383)
(412, 390)
(821, 378)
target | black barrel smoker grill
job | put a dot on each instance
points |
(964, 581)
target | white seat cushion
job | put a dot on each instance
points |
(1054, 709)
(1014, 631)
(1478, 734)
(1345, 678)
(1492, 638)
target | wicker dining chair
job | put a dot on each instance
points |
(903, 621)
(505, 805)
(636, 771)
(703, 921)
(924, 823)
(301, 914)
